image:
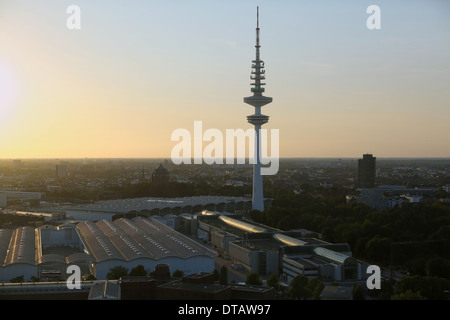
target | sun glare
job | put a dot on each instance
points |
(9, 91)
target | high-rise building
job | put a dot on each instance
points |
(367, 171)
(257, 119)
(18, 165)
(62, 171)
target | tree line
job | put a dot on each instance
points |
(414, 237)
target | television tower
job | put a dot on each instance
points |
(257, 119)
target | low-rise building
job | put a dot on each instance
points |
(47, 252)
(336, 293)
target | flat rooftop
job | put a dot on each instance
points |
(126, 239)
(308, 263)
(141, 204)
(265, 244)
(203, 287)
(273, 244)
(216, 222)
(250, 288)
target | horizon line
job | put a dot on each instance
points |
(168, 158)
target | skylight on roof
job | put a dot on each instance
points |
(164, 201)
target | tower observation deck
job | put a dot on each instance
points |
(257, 100)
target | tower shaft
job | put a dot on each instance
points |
(257, 100)
(257, 195)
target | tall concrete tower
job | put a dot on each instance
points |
(257, 119)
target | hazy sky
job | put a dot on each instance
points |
(138, 70)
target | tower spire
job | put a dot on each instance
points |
(257, 17)
(257, 100)
(257, 33)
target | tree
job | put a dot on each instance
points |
(178, 273)
(432, 288)
(386, 291)
(358, 292)
(442, 233)
(138, 271)
(116, 273)
(317, 291)
(360, 248)
(223, 277)
(438, 267)
(299, 288)
(378, 249)
(90, 277)
(409, 295)
(315, 286)
(253, 279)
(216, 275)
(273, 281)
(416, 265)
(441, 194)
(18, 279)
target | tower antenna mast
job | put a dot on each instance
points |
(257, 100)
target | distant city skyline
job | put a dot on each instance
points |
(136, 72)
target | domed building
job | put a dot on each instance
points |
(160, 176)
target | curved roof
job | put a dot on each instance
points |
(140, 238)
(289, 241)
(209, 213)
(175, 242)
(98, 243)
(140, 233)
(242, 225)
(22, 247)
(129, 248)
(5, 238)
(51, 258)
(333, 255)
(79, 257)
(160, 170)
(67, 226)
(47, 227)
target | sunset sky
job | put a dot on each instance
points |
(138, 70)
